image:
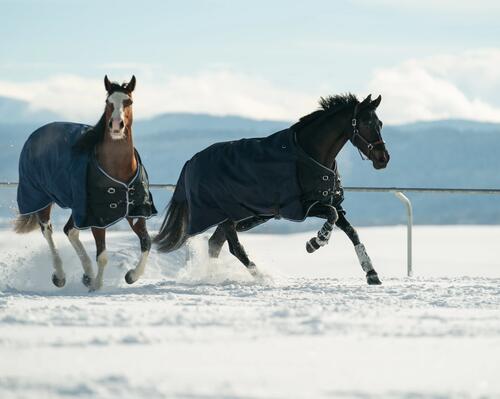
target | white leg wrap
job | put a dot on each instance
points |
(364, 259)
(56, 259)
(73, 236)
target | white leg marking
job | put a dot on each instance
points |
(73, 236)
(102, 260)
(364, 259)
(139, 270)
(56, 259)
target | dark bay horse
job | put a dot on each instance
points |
(95, 171)
(291, 174)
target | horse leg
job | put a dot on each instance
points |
(323, 236)
(73, 236)
(364, 259)
(216, 242)
(58, 277)
(101, 256)
(139, 228)
(236, 248)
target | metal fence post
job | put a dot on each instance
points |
(409, 226)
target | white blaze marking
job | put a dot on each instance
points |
(118, 115)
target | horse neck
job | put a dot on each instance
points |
(323, 139)
(117, 157)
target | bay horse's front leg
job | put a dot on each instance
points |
(139, 228)
(58, 277)
(101, 256)
(73, 236)
(364, 259)
(235, 247)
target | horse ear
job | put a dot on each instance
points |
(367, 100)
(131, 84)
(363, 104)
(375, 103)
(107, 83)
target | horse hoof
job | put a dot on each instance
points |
(372, 278)
(252, 269)
(129, 277)
(58, 282)
(86, 280)
(311, 246)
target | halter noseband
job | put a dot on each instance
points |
(359, 141)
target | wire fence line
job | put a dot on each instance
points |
(392, 189)
(399, 192)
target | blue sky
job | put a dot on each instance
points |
(265, 59)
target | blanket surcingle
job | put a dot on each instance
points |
(255, 178)
(52, 171)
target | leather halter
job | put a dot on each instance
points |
(359, 141)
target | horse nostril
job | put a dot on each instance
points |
(110, 124)
(122, 125)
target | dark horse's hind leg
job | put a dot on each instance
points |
(216, 242)
(218, 239)
(235, 247)
(364, 259)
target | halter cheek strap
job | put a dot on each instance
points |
(359, 141)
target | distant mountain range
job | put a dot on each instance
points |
(450, 153)
(13, 111)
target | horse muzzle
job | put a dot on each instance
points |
(381, 160)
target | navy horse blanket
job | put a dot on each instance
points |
(254, 178)
(51, 170)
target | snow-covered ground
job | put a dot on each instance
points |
(311, 328)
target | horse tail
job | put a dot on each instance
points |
(25, 223)
(173, 230)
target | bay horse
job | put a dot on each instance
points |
(95, 171)
(291, 174)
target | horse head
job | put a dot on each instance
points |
(118, 113)
(366, 132)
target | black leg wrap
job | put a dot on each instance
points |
(324, 234)
(312, 245)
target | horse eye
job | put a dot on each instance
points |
(126, 103)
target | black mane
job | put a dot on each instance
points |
(95, 135)
(88, 140)
(331, 103)
(328, 104)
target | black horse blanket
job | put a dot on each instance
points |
(51, 170)
(255, 178)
